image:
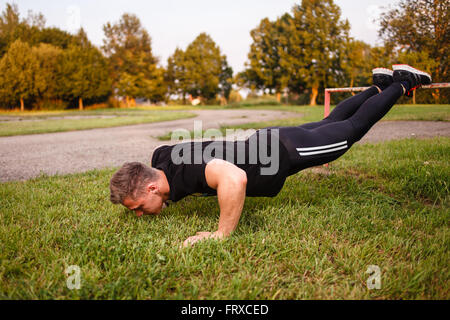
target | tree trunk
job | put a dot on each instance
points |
(414, 97)
(435, 95)
(80, 103)
(313, 96)
(128, 101)
(22, 105)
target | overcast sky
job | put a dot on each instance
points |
(176, 23)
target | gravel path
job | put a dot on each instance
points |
(25, 157)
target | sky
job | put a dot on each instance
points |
(176, 23)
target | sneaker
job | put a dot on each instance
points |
(382, 77)
(416, 78)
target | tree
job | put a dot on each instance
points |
(9, 22)
(85, 73)
(200, 71)
(31, 30)
(133, 67)
(176, 74)
(17, 68)
(226, 80)
(46, 78)
(422, 61)
(420, 26)
(305, 50)
(264, 68)
(357, 64)
(317, 44)
(204, 67)
(41, 65)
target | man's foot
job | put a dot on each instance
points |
(411, 78)
(382, 78)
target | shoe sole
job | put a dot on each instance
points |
(383, 71)
(408, 68)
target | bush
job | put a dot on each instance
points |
(113, 103)
(50, 105)
(265, 100)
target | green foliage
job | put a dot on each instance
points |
(85, 73)
(9, 23)
(47, 67)
(318, 44)
(423, 61)
(200, 71)
(18, 68)
(305, 50)
(47, 77)
(421, 28)
(31, 30)
(133, 67)
(357, 63)
(265, 68)
(310, 49)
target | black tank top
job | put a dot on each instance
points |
(262, 156)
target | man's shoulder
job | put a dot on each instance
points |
(160, 154)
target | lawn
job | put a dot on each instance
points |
(21, 123)
(380, 204)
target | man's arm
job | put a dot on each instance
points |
(230, 183)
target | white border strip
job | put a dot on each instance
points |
(324, 151)
(322, 147)
(353, 89)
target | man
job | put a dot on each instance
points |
(258, 166)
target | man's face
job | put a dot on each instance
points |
(151, 203)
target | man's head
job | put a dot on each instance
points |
(139, 188)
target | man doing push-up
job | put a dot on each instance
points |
(259, 165)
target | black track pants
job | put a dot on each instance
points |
(317, 143)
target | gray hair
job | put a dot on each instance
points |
(130, 180)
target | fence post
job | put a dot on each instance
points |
(327, 103)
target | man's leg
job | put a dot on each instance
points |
(374, 109)
(345, 109)
(326, 143)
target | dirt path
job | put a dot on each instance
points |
(25, 157)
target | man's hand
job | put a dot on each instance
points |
(202, 236)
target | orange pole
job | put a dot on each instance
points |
(327, 103)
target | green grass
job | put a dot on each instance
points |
(44, 123)
(384, 204)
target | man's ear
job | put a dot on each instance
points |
(152, 187)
